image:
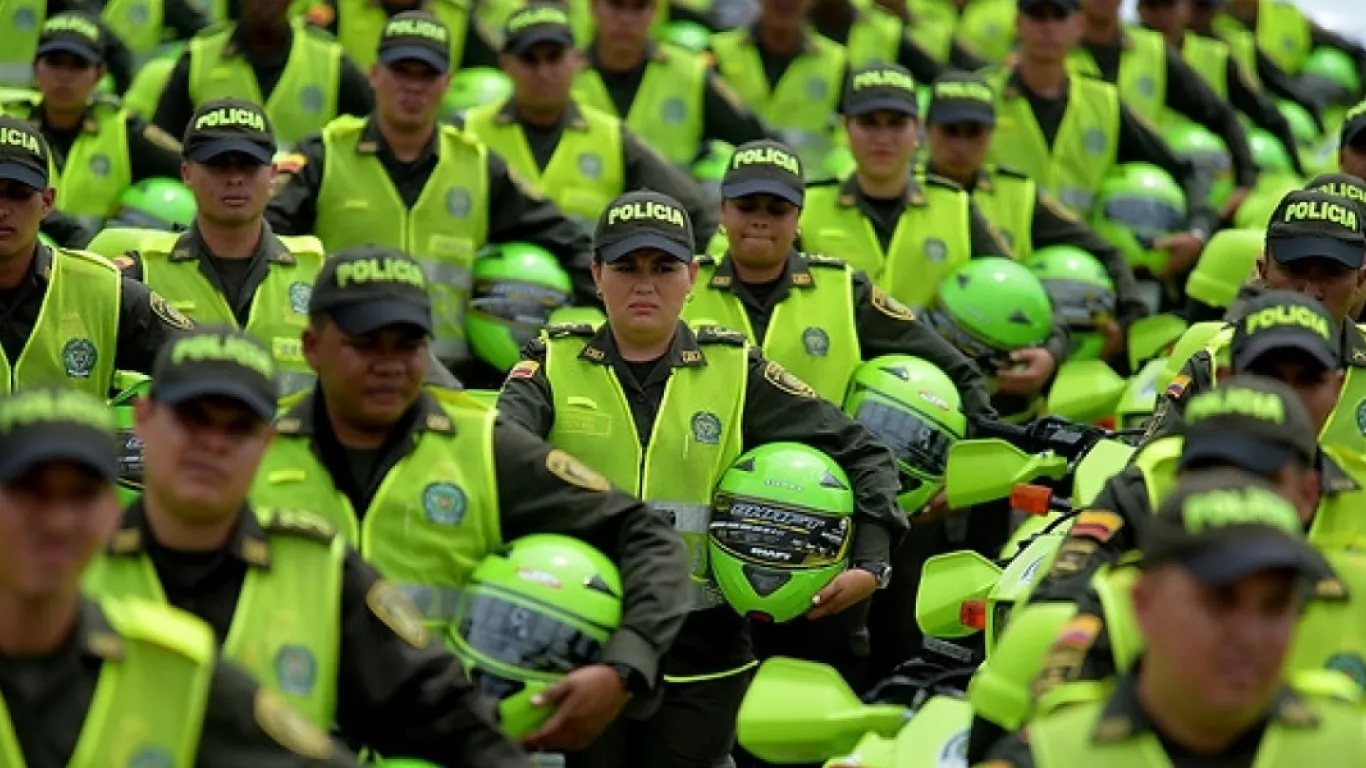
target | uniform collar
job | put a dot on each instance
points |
(1015, 87)
(982, 182)
(1126, 41)
(89, 124)
(248, 542)
(1334, 479)
(191, 246)
(653, 54)
(1353, 345)
(851, 194)
(683, 353)
(796, 273)
(572, 118)
(40, 270)
(235, 46)
(94, 635)
(808, 44)
(372, 141)
(301, 419)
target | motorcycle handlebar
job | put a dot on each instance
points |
(1049, 433)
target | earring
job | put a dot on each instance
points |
(598, 293)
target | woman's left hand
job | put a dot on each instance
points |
(848, 588)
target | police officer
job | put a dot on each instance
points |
(871, 36)
(981, 30)
(144, 26)
(1352, 142)
(426, 482)
(400, 179)
(668, 97)
(962, 119)
(98, 148)
(580, 157)
(288, 600)
(658, 376)
(155, 668)
(66, 317)
(1224, 574)
(300, 75)
(359, 27)
(1285, 33)
(21, 23)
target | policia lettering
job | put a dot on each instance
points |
(766, 156)
(1320, 211)
(225, 348)
(66, 23)
(539, 16)
(417, 28)
(14, 137)
(1272, 317)
(1263, 406)
(1220, 509)
(380, 271)
(648, 210)
(883, 78)
(62, 405)
(227, 116)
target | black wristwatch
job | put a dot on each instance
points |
(630, 679)
(882, 571)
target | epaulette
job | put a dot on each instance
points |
(107, 100)
(1011, 172)
(715, 334)
(821, 260)
(300, 522)
(936, 180)
(565, 330)
(707, 260)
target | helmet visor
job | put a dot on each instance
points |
(1144, 214)
(987, 357)
(523, 307)
(136, 219)
(1081, 305)
(764, 533)
(917, 442)
(1212, 163)
(519, 634)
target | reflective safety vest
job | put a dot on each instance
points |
(986, 28)
(433, 518)
(1085, 149)
(1282, 32)
(581, 20)
(98, 168)
(811, 332)
(1159, 461)
(668, 110)
(151, 694)
(1209, 58)
(874, 38)
(1242, 45)
(75, 338)
(20, 23)
(587, 170)
(286, 629)
(444, 229)
(360, 24)
(303, 101)
(932, 26)
(1006, 198)
(933, 236)
(696, 436)
(1142, 77)
(138, 23)
(279, 308)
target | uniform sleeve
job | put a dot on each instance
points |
(152, 152)
(130, 264)
(175, 109)
(293, 210)
(1278, 83)
(917, 60)
(646, 169)
(146, 322)
(1010, 752)
(1189, 94)
(725, 117)
(779, 407)
(480, 50)
(525, 397)
(541, 490)
(985, 239)
(1322, 36)
(961, 58)
(354, 95)
(247, 727)
(1260, 110)
(401, 692)
(118, 60)
(518, 213)
(886, 330)
(1139, 143)
(184, 18)
(70, 231)
(1169, 415)
(1055, 225)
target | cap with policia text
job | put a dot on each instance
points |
(1309, 224)
(416, 36)
(1354, 127)
(41, 425)
(23, 153)
(644, 219)
(1066, 6)
(229, 125)
(1254, 423)
(369, 287)
(962, 97)
(535, 24)
(216, 361)
(1285, 322)
(764, 167)
(1342, 185)
(881, 88)
(74, 33)
(1225, 525)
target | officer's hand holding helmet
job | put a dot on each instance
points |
(517, 287)
(1081, 291)
(1202, 148)
(1138, 206)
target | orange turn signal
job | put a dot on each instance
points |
(1031, 499)
(973, 613)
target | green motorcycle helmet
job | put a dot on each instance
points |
(1337, 67)
(1138, 204)
(473, 87)
(1206, 151)
(914, 409)
(130, 386)
(990, 307)
(1302, 124)
(1270, 155)
(1081, 291)
(782, 523)
(532, 613)
(157, 203)
(516, 288)
(1226, 263)
(687, 35)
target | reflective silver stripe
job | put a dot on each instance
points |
(436, 604)
(17, 74)
(449, 286)
(295, 381)
(1077, 199)
(684, 517)
(692, 521)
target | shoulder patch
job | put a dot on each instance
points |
(564, 330)
(395, 609)
(785, 380)
(1178, 386)
(303, 523)
(569, 469)
(821, 260)
(1068, 652)
(169, 314)
(160, 138)
(1100, 525)
(125, 261)
(716, 334)
(291, 163)
(290, 729)
(884, 303)
(524, 370)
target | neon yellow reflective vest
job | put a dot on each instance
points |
(874, 38)
(1158, 461)
(76, 335)
(444, 229)
(581, 19)
(1142, 77)
(1084, 150)
(668, 108)
(933, 236)
(587, 170)
(279, 309)
(20, 24)
(434, 516)
(810, 333)
(138, 23)
(1209, 58)
(1282, 33)
(360, 23)
(286, 630)
(932, 27)
(696, 436)
(303, 101)
(98, 167)
(1242, 46)
(150, 697)
(1007, 198)
(986, 29)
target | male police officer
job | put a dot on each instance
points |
(578, 156)
(435, 484)
(871, 36)
(66, 317)
(286, 597)
(400, 179)
(98, 149)
(1285, 33)
(1352, 142)
(110, 682)
(359, 27)
(300, 75)
(20, 27)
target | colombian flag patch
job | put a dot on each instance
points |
(1178, 386)
(524, 370)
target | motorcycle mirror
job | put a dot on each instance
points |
(949, 583)
(1085, 391)
(803, 712)
(979, 471)
(1149, 337)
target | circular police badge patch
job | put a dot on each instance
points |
(1361, 415)
(673, 110)
(590, 165)
(311, 98)
(816, 341)
(1093, 141)
(816, 89)
(151, 757)
(936, 250)
(1146, 86)
(954, 753)
(99, 165)
(295, 669)
(458, 203)
(299, 295)
(706, 427)
(25, 19)
(444, 503)
(79, 356)
(139, 13)
(1349, 664)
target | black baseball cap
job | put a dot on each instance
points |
(1066, 6)
(74, 33)
(962, 97)
(41, 425)
(535, 24)
(229, 125)
(1309, 224)
(881, 88)
(1342, 185)
(1354, 127)
(764, 167)
(1285, 321)
(416, 36)
(1254, 423)
(216, 361)
(644, 219)
(1225, 525)
(23, 153)
(369, 287)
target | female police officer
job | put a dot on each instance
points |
(663, 410)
